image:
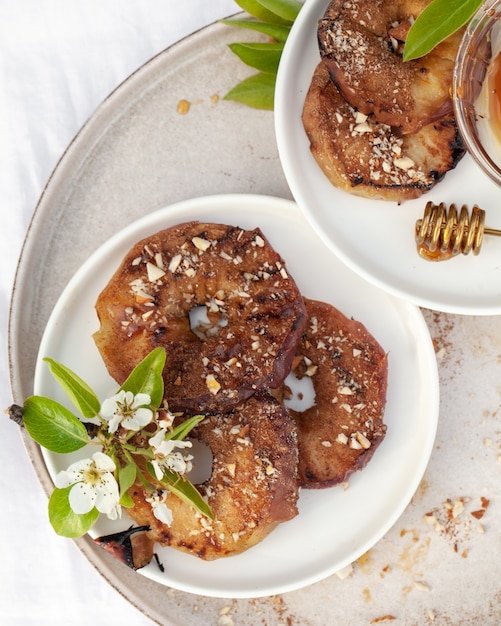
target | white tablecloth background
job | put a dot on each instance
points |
(58, 60)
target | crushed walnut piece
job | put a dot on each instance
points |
(212, 384)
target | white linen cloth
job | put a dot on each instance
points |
(59, 59)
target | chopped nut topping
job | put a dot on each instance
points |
(201, 244)
(154, 272)
(365, 127)
(311, 370)
(143, 298)
(430, 518)
(174, 263)
(355, 444)
(363, 441)
(345, 572)
(212, 385)
(457, 508)
(404, 163)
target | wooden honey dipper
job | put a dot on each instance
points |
(441, 234)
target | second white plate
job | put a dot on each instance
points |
(334, 526)
(376, 238)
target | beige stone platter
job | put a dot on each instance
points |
(439, 563)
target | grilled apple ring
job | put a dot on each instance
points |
(339, 433)
(361, 43)
(252, 488)
(254, 314)
(370, 159)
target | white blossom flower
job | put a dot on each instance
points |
(166, 457)
(160, 510)
(94, 485)
(127, 410)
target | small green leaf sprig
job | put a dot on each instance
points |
(273, 18)
(439, 20)
(135, 439)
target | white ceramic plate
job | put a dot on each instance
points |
(334, 526)
(376, 238)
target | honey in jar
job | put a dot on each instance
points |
(493, 79)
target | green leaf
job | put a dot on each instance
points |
(64, 521)
(182, 429)
(53, 426)
(274, 31)
(257, 9)
(146, 377)
(257, 91)
(126, 478)
(78, 391)
(275, 17)
(439, 20)
(184, 490)
(286, 9)
(264, 57)
(126, 500)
